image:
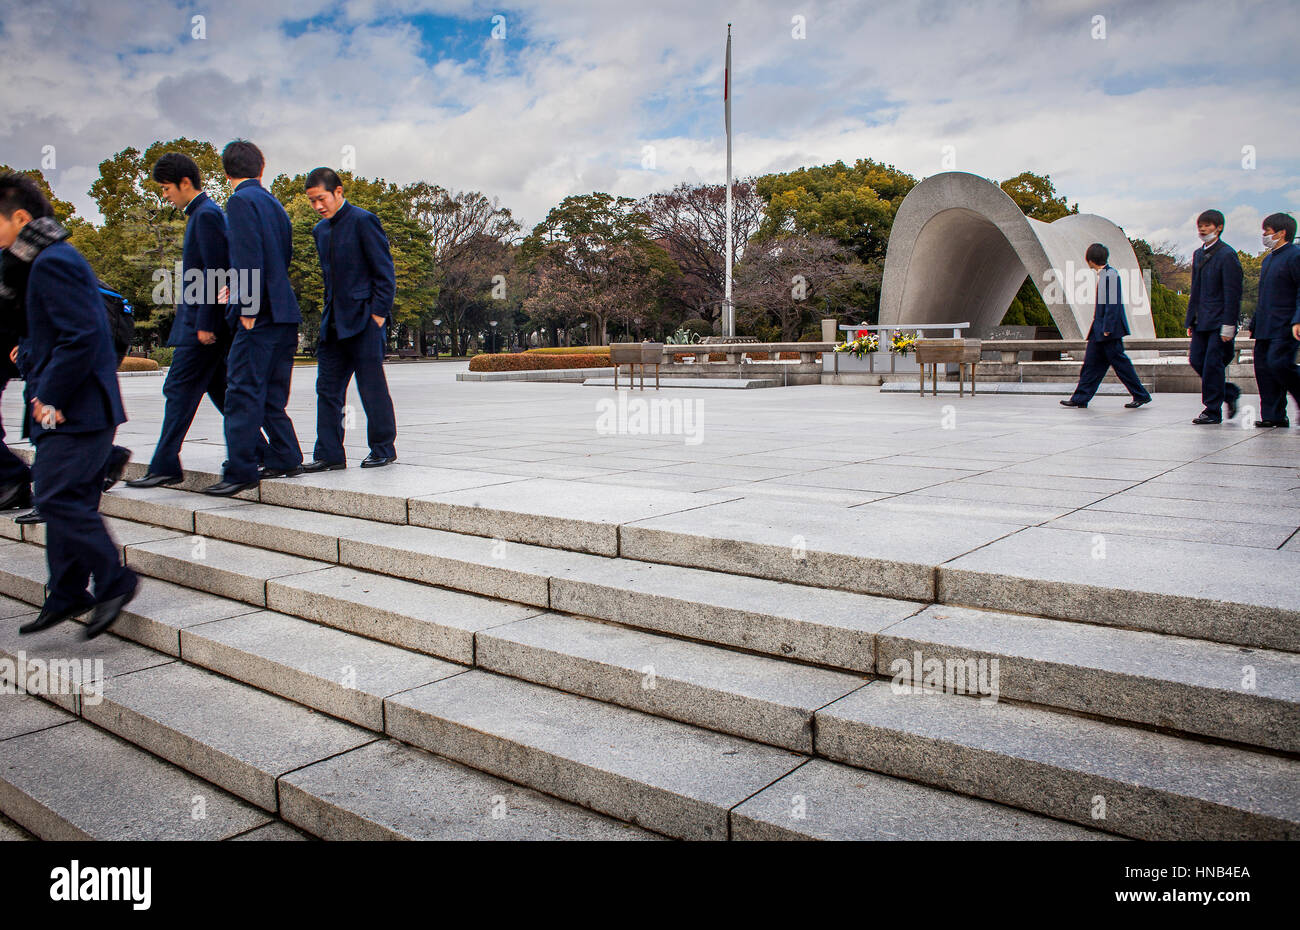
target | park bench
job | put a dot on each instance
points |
(959, 352)
(634, 355)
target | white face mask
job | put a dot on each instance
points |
(1207, 238)
(1267, 240)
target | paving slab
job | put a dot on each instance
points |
(277, 831)
(1193, 529)
(76, 782)
(665, 776)
(821, 800)
(1260, 510)
(371, 493)
(754, 697)
(895, 479)
(160, 610)
(415, 616)
(123, 532)
(228, 733)
(223, 568)
(862, 550)
(344, 675)
(545, 512)
(1147, 785)
(390, 791)
(11, 832)
(1198, 590)
(12, 608)
(1249, 696)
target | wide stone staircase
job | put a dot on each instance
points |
(337, 660)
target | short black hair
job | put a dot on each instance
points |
(327, 178)
(174, 166)
(1097, 253)
(1281, 222)
(1212, 216)
(19, 192)
(242, 159)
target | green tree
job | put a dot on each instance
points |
(63, 210)
(1036, 196)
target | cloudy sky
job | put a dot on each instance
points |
(1144, 111)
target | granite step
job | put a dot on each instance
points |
(387, 790)
(826, 801)
(63, 779)
(1103, 775)
(226, 732)
(1235, 693)
(759, 698)
(659, 774)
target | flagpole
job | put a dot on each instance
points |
(728, 311)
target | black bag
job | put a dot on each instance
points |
(121, 320)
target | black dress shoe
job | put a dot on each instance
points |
(117, 460)
(264, 473)
(1070, 403)
(1266, 424)
(107, 611)
(1134, 404)
(377, 461)
(1232, 407)
(30, 517)
(16, 495)
(48, 618)
(1203, 419)
(155, 481)
(228, 488)
(312, 468)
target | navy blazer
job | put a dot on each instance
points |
(69, 359)
(1216, 289)
(1108, 316)
(261, 242)
(1279, 294)
(204, 249)
(357, 266)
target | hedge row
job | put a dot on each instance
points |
(528, 361)
(570, 350)
(133, 363)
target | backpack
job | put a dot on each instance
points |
(121, 320)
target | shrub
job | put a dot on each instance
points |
(699, 327)
(163, 356)
(529, 361)
(132, 363)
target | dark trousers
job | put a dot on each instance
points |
(1277, 375)
(68, 478)
(13, 470)
(337, 361)
(259, 371)
(1101, 356)
(1209, 357)
(195, 370)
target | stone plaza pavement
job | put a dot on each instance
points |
(551, 620)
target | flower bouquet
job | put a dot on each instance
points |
(902, 342)
(863, 345)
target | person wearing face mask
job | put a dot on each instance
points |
(1106, 337)
(1275, 326)
(1212, 312)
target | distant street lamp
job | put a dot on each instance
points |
(493, 324)
(584, 334)
(436, 324)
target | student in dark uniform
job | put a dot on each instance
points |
(1106, 337)
(263, 313)
(76, 408)
(199, 336)
(15, 476)
(1275, 326)
(1212, 312)
(359, 286)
